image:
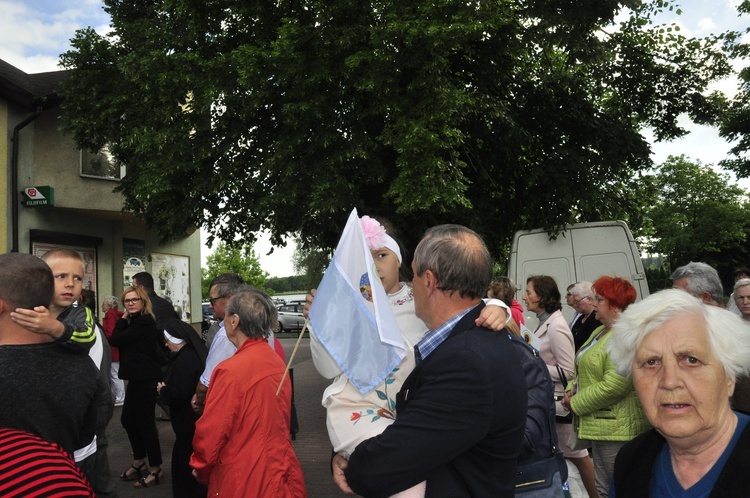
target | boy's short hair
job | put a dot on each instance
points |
(25, 281)
(63, 252)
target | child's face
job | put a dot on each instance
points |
(68, 273)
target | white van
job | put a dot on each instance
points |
(584, 251)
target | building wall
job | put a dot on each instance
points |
(57, 162)
(83, 206)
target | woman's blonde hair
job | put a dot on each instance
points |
(144, 299)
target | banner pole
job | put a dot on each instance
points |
(291, 358)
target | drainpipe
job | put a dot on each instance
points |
(14, 175)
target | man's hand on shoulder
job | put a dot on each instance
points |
(338, 466)
(39, 320)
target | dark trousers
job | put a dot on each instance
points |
(102, 480)
(138, 420)
(88, 466)
(184, 485)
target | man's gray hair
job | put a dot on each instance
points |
(227, 284)
(701, 278)
(743, 282)
(727, 333)
(257, 314)
(459, 259)
(112, 302)
(582, 289)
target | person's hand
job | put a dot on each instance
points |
(196, 407)
(492, 317)
(338, 466)
(39, 320)
(308, 302)
(159, 385)
(195, 474)
(125, 315)
(566, 399)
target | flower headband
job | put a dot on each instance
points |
(376, 237)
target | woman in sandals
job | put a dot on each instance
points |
(135, 334)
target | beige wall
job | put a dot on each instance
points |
(57, 162)
(83, 206)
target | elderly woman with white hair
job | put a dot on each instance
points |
(586, 322)
(685, 358)
(741, 297)
(241, 445)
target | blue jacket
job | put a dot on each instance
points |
(540, 438)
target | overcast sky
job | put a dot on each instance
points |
(34, 32)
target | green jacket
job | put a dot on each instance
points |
(606, 405)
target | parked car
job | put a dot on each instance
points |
(208, 313)
(207, 318)
(290, 317)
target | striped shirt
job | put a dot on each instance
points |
(31, 467)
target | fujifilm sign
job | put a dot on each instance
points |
(39, 196)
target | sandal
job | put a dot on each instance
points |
(144, 483)
(126, 476)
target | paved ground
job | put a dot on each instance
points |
(311, 444)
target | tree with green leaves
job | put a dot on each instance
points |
(735, 122)
(232, 259)
(698, 215)
(243, 116)
(294, 283)
(311, 263)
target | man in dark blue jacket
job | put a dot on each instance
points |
(462, 411)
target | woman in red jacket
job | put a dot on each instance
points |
(111, 315)
(242, 445)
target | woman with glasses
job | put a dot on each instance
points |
(586, 322)
(135, 334)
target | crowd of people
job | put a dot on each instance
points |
(644, 397)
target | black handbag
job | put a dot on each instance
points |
(562, 415)
(541, 479)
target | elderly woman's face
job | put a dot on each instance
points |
(584, 304)
(682, 386)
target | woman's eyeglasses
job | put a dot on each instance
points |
(132, 301)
